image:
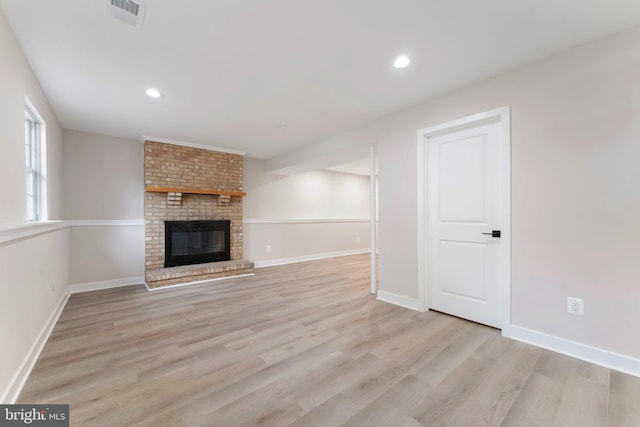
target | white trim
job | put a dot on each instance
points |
(401, 300)
(422, 224)
(608, 359)
(302, 220)
(197, 282)
(33, 110)
(505, 181)
(106, 223)
(105, 284)
(43, 202)
(373, 223)
(503, 116)
(312, 257)
(23, 231)
(16, 384)
(472, 121)
(144, 138)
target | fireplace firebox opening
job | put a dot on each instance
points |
(196, 242)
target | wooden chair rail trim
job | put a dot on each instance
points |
(195, 191)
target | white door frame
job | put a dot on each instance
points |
(499, 115)
(374, 219)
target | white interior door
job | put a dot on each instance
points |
(465, 206)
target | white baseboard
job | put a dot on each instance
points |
(12, 392)
(302, 220)
(197, 282)
(105, 284)
(312, 257)
(608, 359)
(401, 300)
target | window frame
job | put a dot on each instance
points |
(35, 156)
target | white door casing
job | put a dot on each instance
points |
(463, 192)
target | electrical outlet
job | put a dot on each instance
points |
(358, 239)
(268, 248)
(575, 306)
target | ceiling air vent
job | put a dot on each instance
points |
(128, 11)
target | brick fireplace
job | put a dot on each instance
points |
(191, 184)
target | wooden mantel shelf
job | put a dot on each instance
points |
(195, 191)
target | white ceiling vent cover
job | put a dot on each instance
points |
(128, 11)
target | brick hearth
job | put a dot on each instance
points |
(197, 272)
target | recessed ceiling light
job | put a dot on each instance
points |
(153, 93)
(401, 62)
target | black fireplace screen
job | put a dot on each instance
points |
(196, 242)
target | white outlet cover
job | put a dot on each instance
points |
(575, 306)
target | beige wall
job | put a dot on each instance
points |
(33, 270)
(317, 194)
(290, 241)
(575, 197)
(103, 182)
(100, 252)
(304, 215)
(17, 82)
(102, 177)
(33, 280)
(575, 193)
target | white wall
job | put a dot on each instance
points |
(33, 283)
(17, 82)
(303, 216)
(575, 152)
(102, 177)
(33, 267)
(106, 251)
(575, 189)
(104, 190)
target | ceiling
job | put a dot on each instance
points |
(268, 76)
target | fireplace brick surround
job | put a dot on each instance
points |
(169, 165)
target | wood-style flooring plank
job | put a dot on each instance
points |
(624, 401)
(584, 403)
(449, 396)
(306, 345)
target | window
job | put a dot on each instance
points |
(34, 145)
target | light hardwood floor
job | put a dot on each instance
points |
(306, 345)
